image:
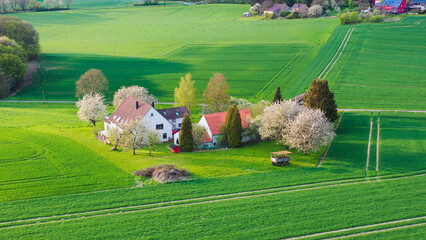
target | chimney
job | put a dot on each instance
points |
(137, 104)
(153, 104)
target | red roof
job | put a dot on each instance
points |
(207, 138)
(217, 120)
(127, 111)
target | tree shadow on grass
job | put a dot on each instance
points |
(58, 73)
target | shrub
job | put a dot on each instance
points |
(268, 15)
(376, 18)
(284, 13)
(349, 17)
(293, 15)
(12, 65)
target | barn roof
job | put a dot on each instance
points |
(217, 120)
(127, 111)
(275, 7)
(173, 113)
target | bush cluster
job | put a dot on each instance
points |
(349, 17)
(19, 44)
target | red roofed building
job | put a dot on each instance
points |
(213, 123)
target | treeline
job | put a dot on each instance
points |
(19, 43)
(9, 6)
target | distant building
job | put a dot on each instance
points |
(277, 9)
(246, 14)
(213, 123)
(299, 98)
(300, 8)
(391, 6)
(163, 121)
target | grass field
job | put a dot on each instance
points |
(188, 39)
(257, 192)
(382, 66)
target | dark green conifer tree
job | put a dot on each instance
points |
(186, 139)
(229, 115)
(277, 96)
(319, 96)
(236, 130)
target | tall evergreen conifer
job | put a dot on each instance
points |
(236, 131)
(186, 139)
(319, 96)
(228, 120)
(277, 96)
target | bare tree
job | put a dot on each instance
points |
(22, 3)
(91, 81)
(135, 91)
(91, 108)
(68, 3)
(47, 3)
(276, 117)
(308, 131)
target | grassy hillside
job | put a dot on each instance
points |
(155, 46)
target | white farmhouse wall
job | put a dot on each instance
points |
(153, 118)
(203, 122)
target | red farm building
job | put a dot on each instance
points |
(391, 6)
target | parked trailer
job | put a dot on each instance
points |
(280, 158)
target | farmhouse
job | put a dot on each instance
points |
(132, 109)
(299, 99)
(299, 8)
(277, 9)
(391, 6)
(213, 123)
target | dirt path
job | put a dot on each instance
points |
(200, 200)
(369, 143)
(32, 67)
(378, 143)
(381, 230)
(338, 53)
(359, 227)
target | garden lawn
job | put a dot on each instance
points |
(155, 46)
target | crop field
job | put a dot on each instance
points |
(200, 40)
(237, 183)
(382, 67)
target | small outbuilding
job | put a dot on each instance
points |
(174, 148)
(246, 14)
(280, 158)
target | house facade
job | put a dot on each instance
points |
(391, 6)
(300, 8)
(213, 124)
(276, 9)
(134, 110)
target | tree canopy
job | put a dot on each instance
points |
(186, 94)
(186, 139)
(91, 81)
(216, 94)
(319, 96)
(91, 108)
(135, 91)
(277, 95)
(235, 129)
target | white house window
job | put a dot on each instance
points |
(164, 135)
(180, 124)
(152, 114)
(159, 126)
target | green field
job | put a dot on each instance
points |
(58, 181)
(154, 47)
(257, 192)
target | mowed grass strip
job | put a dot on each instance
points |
(297, 212)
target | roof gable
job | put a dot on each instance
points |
(173, 113)
(128, 112)
(217, 120)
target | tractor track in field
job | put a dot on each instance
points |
(200, 200)
(381, 230)
(363, 227)
(337, 55)
(369, 143)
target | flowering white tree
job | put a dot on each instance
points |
(135, 91)
(139, 135)
(309, 130)
(315, 11)
(276, 117)
(255, 8)
(91, 108)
